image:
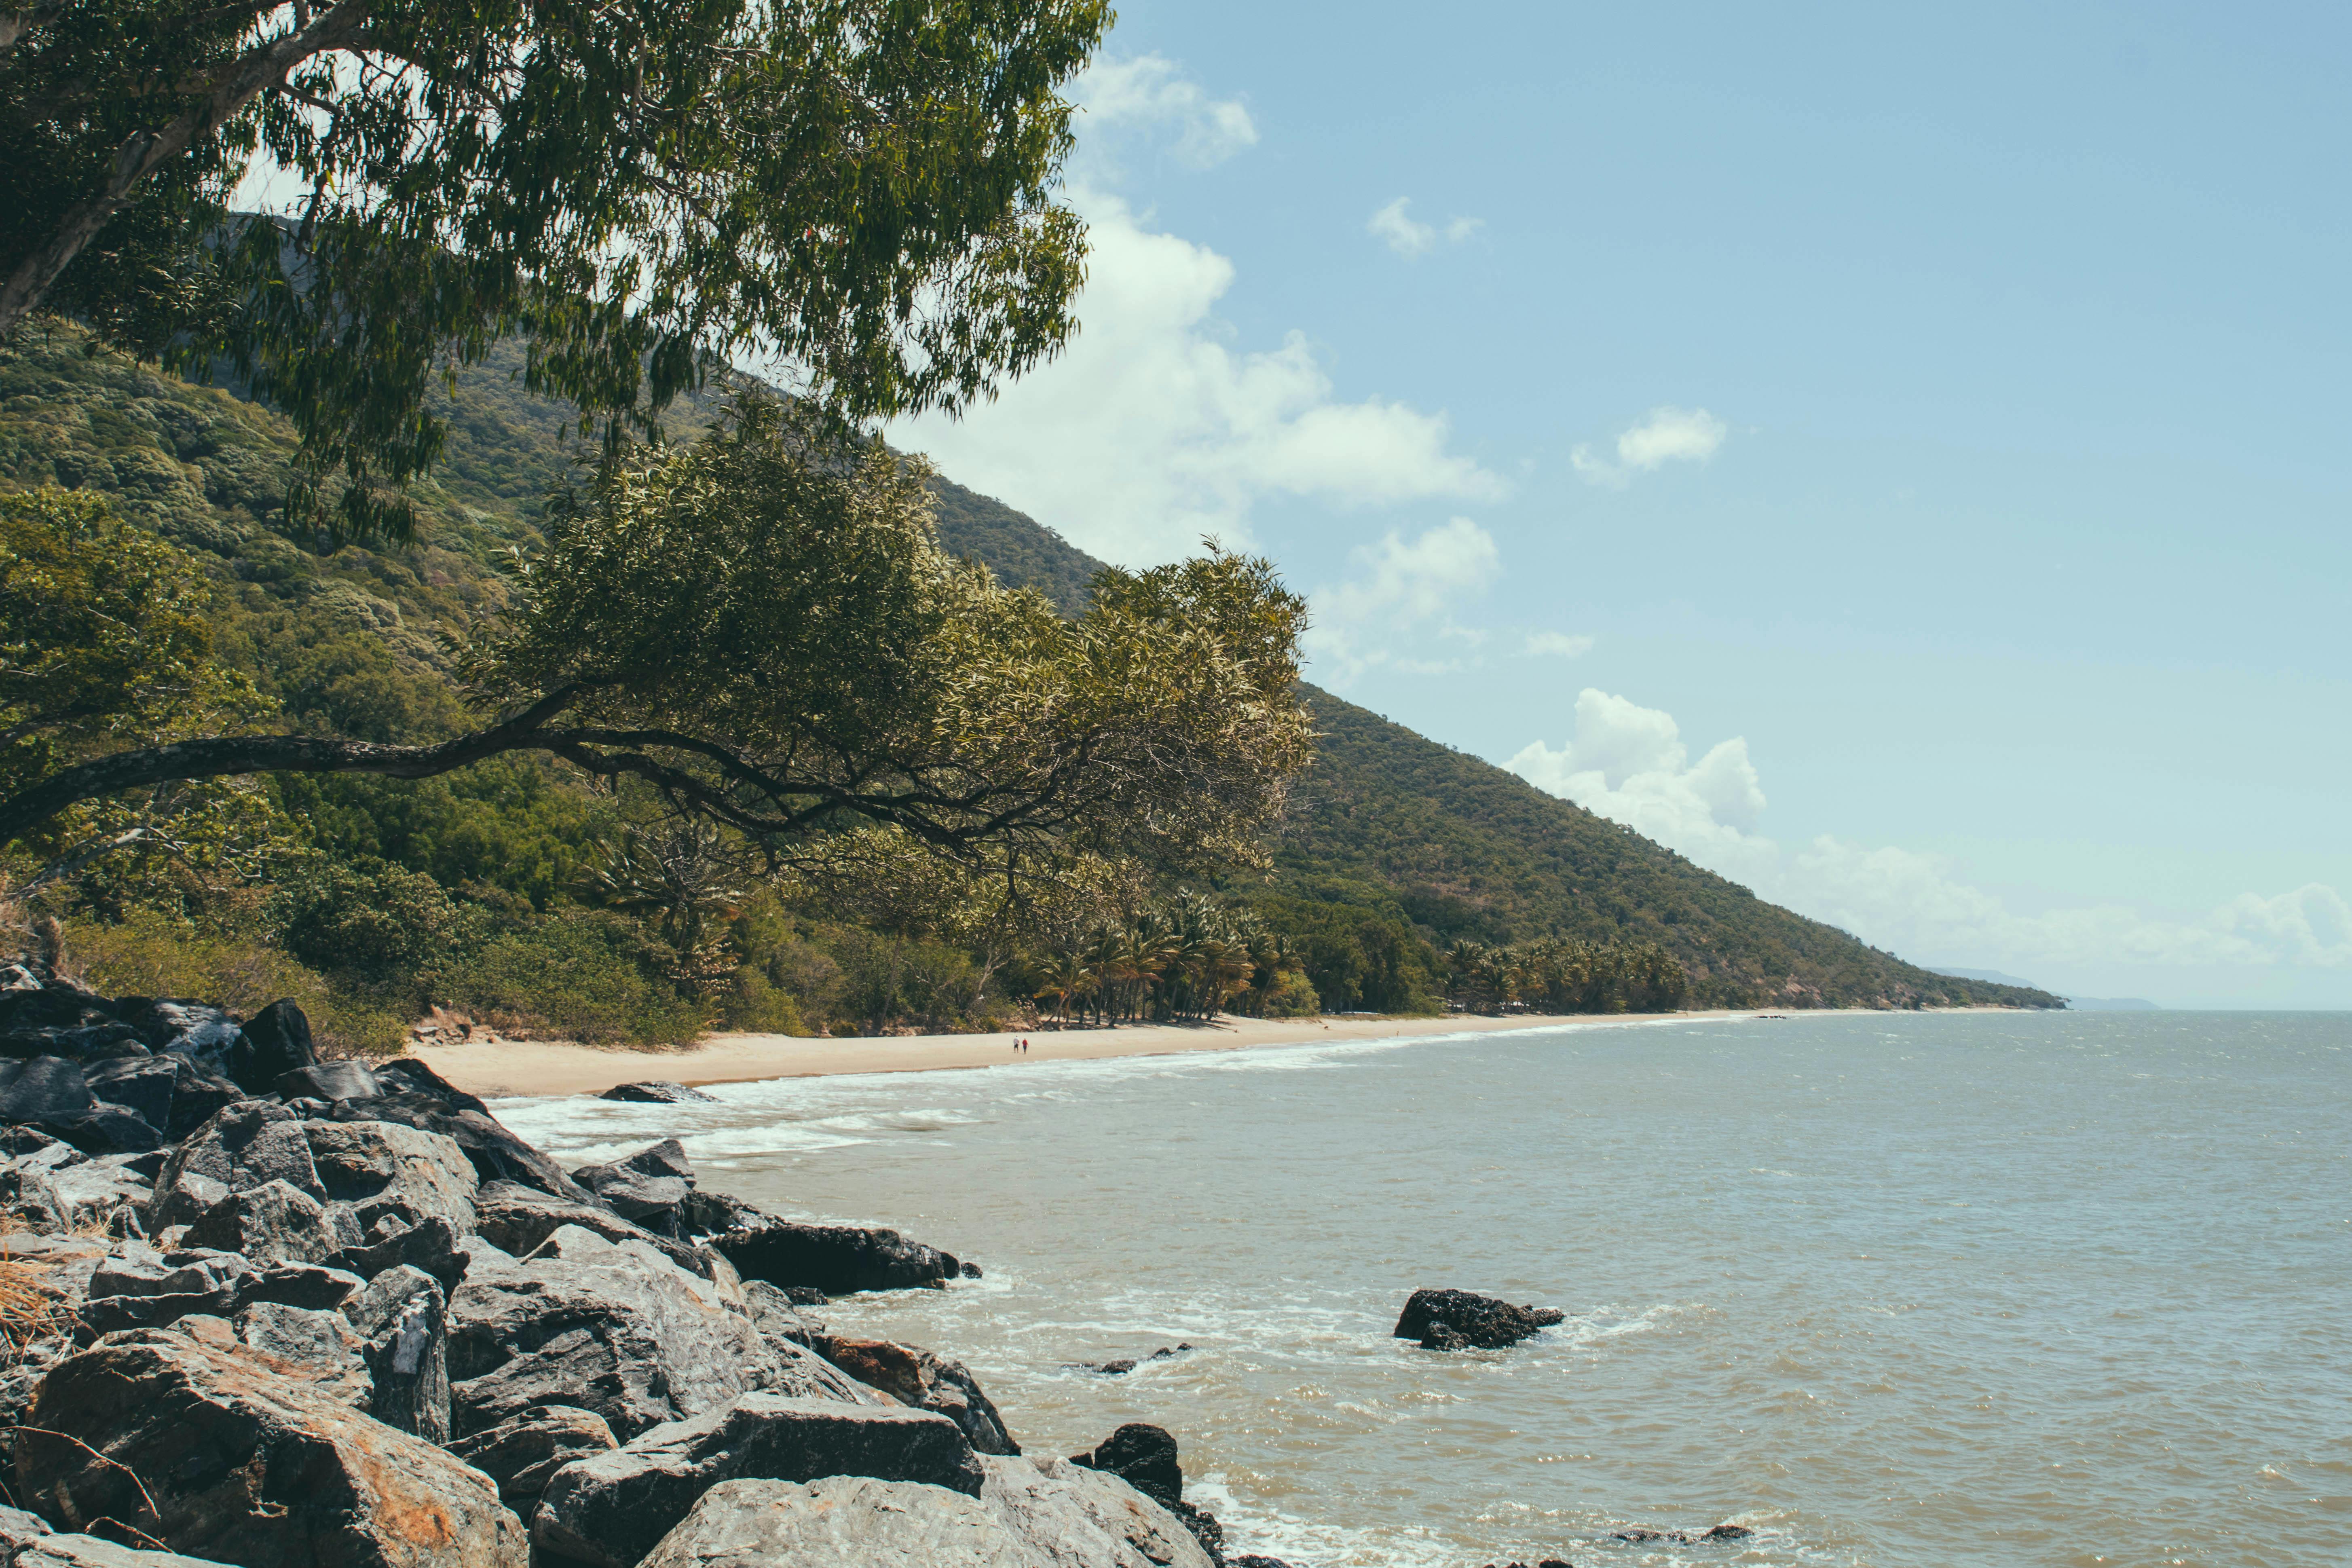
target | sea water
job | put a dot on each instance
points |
(1978, 1289)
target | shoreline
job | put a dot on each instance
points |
(536, 1069)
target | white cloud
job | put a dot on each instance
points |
(1397, 585)
(1154, 429)
(1668, 436)
(1558, 644)
(1149, 91)
(1629, 763)
(1408, 237)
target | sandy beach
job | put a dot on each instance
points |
(541, 1067)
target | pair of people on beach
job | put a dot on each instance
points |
(1021, 1047)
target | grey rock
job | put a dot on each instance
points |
(415, 1096)
(1066, 1515)
(273, 1223)
(197, 1030)
(92, 1191)
(248, 1144)
(923, 1380)
(301, 1284)
(249, 1466)
(384, 1167)
(18, 1527)
(522, 1453)
(269, 1045)
(840, 1522)
(657, 1092)
(144, 1272)
(403, 1322)
(612, 1509)
(1456, 1320)
(345, 1079)
(42, 1089)
(649, 1187)
(105, 1129)
(77, 1550)
(616, 1328)
(433, 1245)
(319, 1348)
(520, 1219)
(142, 1084)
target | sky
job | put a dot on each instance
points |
(1896, 459)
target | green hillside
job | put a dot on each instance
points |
(1397, 846)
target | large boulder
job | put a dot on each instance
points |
(615, 1328)
(923, 1380)
(520, 1219)
(50, 1093)
(655, 1091)
(304, 1285)
(521, 1453)
(27, 1542)
(319, 1348)
(433, 1245)
(1071, 1516)
(403, 1322)
(247, 1465)
(170, 1092)
(834, 1258)
(273, 1223)
(494, 1152)
(249, 1144)
(269, 1045)
(1456, 1320)
(1141, 1455)
(612, 1509)
(57, 1187)
(650, 1187)
(840, 1522)
(385, 1168)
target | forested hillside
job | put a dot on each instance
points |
(1397, 847)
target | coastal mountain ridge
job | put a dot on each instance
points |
(1387, 825)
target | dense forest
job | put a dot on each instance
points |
(508, 893)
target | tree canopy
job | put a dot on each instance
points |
(640, 189)
(761, 629)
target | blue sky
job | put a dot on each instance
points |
(1896, 459)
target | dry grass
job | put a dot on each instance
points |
(29, 1310)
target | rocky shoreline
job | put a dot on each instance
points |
(267, 1311)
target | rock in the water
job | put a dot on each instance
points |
(1121, 1367)
(1073, 1516)
(923, 1380)
(656, 1092)
(649, 1187)
(1253, 1560)
(269, 1045)
(385, 1168)
(522, 1453)
(1143, 1456)
(247, 1465)
(840, 1522)
(271, 1223)
(1456, 1320)
(1728, 1532)
(612, 1509)
(402, 1323)
(615, 1328)
(835, 1258)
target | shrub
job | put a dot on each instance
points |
(581, 975)
(1292, 996)
(150, 954)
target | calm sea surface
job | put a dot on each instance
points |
(1894, 1290)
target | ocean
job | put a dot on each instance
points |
(1890, 1290)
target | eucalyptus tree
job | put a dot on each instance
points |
(761, 631)
(641, 190)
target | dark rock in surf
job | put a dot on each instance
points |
(657, 1092)
(650, 1187)
(835, 1258)
(1144, 1456)
(1456, 1320)
(1728, 1532)
(1127, 1365)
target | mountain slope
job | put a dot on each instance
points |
(1385, 821)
